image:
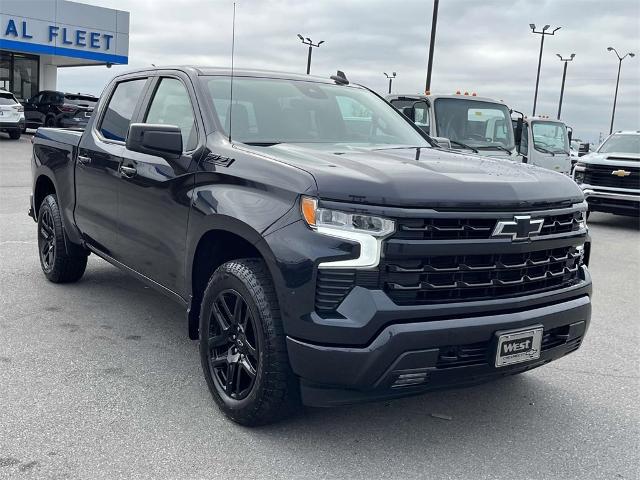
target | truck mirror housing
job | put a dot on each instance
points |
(161, 140)
(409, 112)
(443, 142)
(518, 133)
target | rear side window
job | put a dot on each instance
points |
(171, 106)
(7, 99)
(117, 116)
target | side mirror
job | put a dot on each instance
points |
(409, 112)
(570, 134)
(161, 140)
(443, 142)
(518, 132)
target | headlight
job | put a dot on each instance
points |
(578, 176)
(367, 230)
(351, 222)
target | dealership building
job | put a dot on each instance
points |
(39, 36)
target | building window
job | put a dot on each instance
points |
(19, 74)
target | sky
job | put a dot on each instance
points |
(483, 46)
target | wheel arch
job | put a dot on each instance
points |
(44, 186)
(224, 240)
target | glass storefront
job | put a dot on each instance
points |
(19, 74)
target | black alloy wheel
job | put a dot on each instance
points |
(47, 241)
(233, 345)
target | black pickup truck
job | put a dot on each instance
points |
(326, 251)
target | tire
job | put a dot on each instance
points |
(50, 122)
(273, 392)
(15, 134)
(57, 265)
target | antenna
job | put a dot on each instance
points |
(233, 46)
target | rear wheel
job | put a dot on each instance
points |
(15, 134)
(242, 346)
(50, 122)
(58, 266)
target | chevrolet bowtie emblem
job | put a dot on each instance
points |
(520, 228)
(620, 173)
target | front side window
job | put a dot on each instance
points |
(550, 137)
(474, 123)
(119, 111)
(269, 110)
(171, 106)
(621, 143)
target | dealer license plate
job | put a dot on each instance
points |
(519, 346)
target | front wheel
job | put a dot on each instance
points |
(58, 266)
(15, 134)
(242, 345)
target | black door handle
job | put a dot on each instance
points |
(128, 172)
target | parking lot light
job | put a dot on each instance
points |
(564, 76)
(544, 32)
(308, 41)
(390, 77)
(615, 97)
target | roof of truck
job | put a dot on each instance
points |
(433, 97)
(237, 72)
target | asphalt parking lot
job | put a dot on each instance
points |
(99, 380)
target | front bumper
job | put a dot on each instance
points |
(612, 201)
(410, 358)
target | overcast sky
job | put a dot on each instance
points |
(481, 45)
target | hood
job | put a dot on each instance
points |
(445, 179)
(613, 159)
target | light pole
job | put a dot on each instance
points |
(307, 41)
(564, 76)
(390, 77)
(543, 34)
(434, 22)
(615, 98)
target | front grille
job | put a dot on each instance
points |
(481, 353)
(475, 228)
(455, 278)
(600, 175)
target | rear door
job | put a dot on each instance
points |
(154, 207)
(98, 165)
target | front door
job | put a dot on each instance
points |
(98, 167)
(153, 202)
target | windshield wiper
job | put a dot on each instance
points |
(493, 147)
(463, 145)
(545, 150)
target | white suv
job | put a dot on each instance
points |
(11, 115)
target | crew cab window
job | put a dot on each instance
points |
(171, 106)
(117, 117)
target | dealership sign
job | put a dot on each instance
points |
(99, 42)
(77, 37)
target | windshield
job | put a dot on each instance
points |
(474, 123)
(621, 143)
(550, 137)
(268, 110)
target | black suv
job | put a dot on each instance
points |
(322, 247)
(57, 109)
